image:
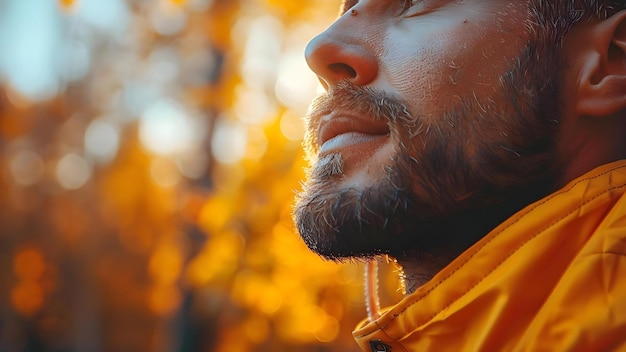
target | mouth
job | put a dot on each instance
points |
(343, 131)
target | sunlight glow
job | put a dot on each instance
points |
(229, 141)
(296, 84)
(292, 126)
(167, 129)
(253, 106)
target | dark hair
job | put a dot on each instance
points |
(556, 17)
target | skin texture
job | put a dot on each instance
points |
(440, 119)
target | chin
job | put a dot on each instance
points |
(396, 212)
(341, 216)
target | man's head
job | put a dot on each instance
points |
(442, 118)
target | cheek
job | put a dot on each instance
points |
(424, 75)
(433, 72)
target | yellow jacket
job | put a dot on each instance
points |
(550, 278)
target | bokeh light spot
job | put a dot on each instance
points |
(111, 16)
(27, 297)
(199, 5)
(256, 329)
(168, 18)
(165, 172)
(27, 167)
(164, 300)
(101, 141)
(257, 144)
(165, 128)
(29, 264)
(164, 64)
(73, 171)
(296, 84)
(165, 265)
(29, 61)
(76, 61)
(329, 331)
(193, 165)
(229, 141)
(292, 126)
(253, 106)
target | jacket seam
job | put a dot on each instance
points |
(463, 264)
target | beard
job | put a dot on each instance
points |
(450, 180)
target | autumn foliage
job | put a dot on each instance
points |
(145, 204)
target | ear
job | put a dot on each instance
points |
(602, 84)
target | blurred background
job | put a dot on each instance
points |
(149, 156)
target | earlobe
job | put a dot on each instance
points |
(602, 83)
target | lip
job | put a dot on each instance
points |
(339, 130)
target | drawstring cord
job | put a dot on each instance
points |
(372, 300)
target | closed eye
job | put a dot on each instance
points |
(347, 5)
(408, 3)
(412, 8)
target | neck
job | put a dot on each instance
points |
(420, 267)
(455, 235)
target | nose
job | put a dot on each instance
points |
(341, 53)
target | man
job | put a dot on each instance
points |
(482, 144)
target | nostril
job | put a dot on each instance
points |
(336, 55)
(342, 70)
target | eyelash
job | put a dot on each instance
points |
(406, 4)
(347, 5)
(409, 3)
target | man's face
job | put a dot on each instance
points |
(437, 123)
